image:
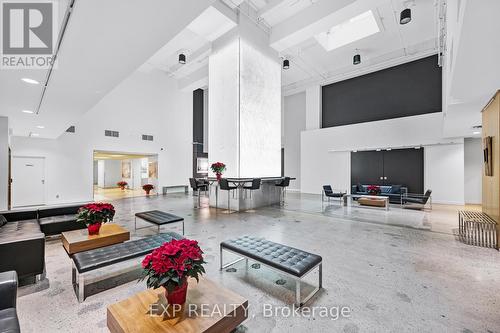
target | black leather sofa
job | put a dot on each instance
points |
(8, 298)
(22, 238)
(394, 192)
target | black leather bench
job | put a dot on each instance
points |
(159, 218)
(285, 259)
(101, 257)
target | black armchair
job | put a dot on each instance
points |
(328, 192)
(8, 298)
(417, 201)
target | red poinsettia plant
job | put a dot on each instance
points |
(218, 168)
(148, 187)
(96, 213)
(373, 189)
(172, 263)
(122, 184)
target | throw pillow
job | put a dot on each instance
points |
(360, 188)
(3, 221)
(396, 189)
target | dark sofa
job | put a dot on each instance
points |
(22, 238)
(394, 192)
(8, 298)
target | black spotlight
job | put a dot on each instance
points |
(356, 60)
(182, 58)
(286, 64)
(405, 16)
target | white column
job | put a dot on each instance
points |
(313, 107)
(245, 103)
(4, 162)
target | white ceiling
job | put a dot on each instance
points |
(95, 56)
(92, 61)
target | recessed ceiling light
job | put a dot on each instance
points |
(354, 151)
(389, 149)
(349, 31)
(476, 132)
(30, 81)
(27, 111)
(40, 127)
(379, 149)
(417, 147)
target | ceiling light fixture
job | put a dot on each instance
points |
(28, 111)
(389, 149)
(476, 132)
(286, 64)
(356, 60)
(182, 58)
(405, 16)
(30, 81)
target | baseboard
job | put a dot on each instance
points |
(445, 202)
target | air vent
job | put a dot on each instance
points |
(71, 129)
(147, 137)
(114, 134)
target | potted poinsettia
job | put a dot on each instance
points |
(218, 168)
(122, 184)
(373, 189)
(147, 188)
(170, 265)
(94, 215)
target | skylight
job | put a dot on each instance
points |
(347, 32)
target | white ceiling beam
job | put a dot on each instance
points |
(315, 19)
(196, 80)
(273, 6)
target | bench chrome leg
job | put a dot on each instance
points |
(222, 266)
(78, 284)
(297, 293)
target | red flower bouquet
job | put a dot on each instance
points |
(147, 188)
(373, 189)
(122, 184)
(218, 168)
(95, 214)
(170, 265)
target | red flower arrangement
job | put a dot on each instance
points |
(218, 168)
(122, 184)
(170, 265)
(373, 189)
(94, 214)
(147, 188)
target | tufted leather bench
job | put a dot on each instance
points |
(87, 261)
(289, 260)
(159, 218)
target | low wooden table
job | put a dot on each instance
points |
(214, 309)
(79, 240)
(368, 200)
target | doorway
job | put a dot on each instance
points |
(28, 181)
(132, 170)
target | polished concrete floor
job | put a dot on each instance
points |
(109, 194)
(397, 271)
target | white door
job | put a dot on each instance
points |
(28, 181)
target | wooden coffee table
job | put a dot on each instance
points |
(134, 314)
(79, 240)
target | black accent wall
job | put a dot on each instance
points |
(395, 167)
(198, 130)
(409, 89)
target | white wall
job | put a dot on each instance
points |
(144, 103)
(112, 173)
(325, 153)
(473, 170)
(444, 173)
(294, 115)
(4, 162)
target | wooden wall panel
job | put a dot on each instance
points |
(491, 184)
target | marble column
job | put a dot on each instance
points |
(245, 103)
